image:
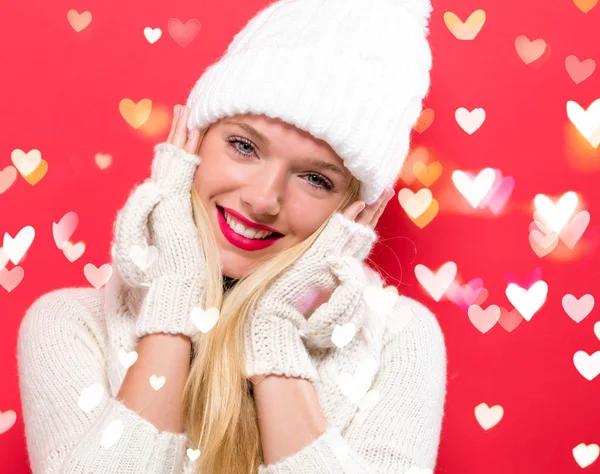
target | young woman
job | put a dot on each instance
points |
(242, 330)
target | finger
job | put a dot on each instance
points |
(130, 230)
(347, 269)
(173, 168)
(380, 211)
(173, 124)
(192, 141)
(367, 214)
(180, 136)
(353, 210)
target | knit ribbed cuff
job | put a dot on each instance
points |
(274, 346)
(122, 437)
(167, 307)
(173, 168)
(327, 453)
(359, 239)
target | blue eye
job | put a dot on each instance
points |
(323, 182)
(233, 141)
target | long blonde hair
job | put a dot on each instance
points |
(221, 417)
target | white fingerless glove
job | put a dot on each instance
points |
(173, 266)
(273, 334)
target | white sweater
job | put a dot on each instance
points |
(70, 339)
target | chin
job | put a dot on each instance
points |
(232, 271)
(231, 275)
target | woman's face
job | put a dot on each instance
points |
(271, 181)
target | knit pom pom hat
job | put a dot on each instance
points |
(353, 73)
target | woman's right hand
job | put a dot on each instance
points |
(172, 266)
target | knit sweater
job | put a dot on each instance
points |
(75, 341)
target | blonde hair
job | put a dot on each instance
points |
(221, 417)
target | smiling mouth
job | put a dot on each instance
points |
(274, 235)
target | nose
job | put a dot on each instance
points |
(263, 196)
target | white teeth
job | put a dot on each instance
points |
(239, 228)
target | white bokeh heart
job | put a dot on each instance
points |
(143, 257)
(342, 335)
(90, 397)
(112, 433)
(73, 251)
(401, 318)
(555, 216)
(356, 385)
(586, 364)
(369, 400)
(366, 403)
(578, 309)
(380, 300)
(527, 302)
(204, 320)
(16, 248)
(7, 420)
(152, 35)
(63, 229)
(474, 190)
(157, 382)
(97, 276)
(586, 121)
(437, 283)
(415, 204)
(193, 454)
(487, 416)
(585, 455)
(127, 359)
(470, 121)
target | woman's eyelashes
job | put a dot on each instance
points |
(323, 182)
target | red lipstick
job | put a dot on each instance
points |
(243, 242)
(248, 223)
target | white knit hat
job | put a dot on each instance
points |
(350, 72)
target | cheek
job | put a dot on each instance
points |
(197, 178)
(305, 217)
(206, 177)
(216, 174)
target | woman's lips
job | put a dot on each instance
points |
(240, 241)
(274, 235)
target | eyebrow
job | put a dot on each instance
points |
(261, 138)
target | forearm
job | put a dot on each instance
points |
(160, 355)
(289, 415)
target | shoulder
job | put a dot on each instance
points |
(71, 310)
(408, 316)
(414, 347)
(63, 302)
(410, 321)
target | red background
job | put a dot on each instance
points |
(61, 94)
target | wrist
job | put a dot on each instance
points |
(181, 339)
(167, 307)
(274, 347)
(256, 379)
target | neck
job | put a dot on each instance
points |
(228, 282)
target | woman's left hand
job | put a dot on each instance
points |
(272, 334)
(369, 216)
